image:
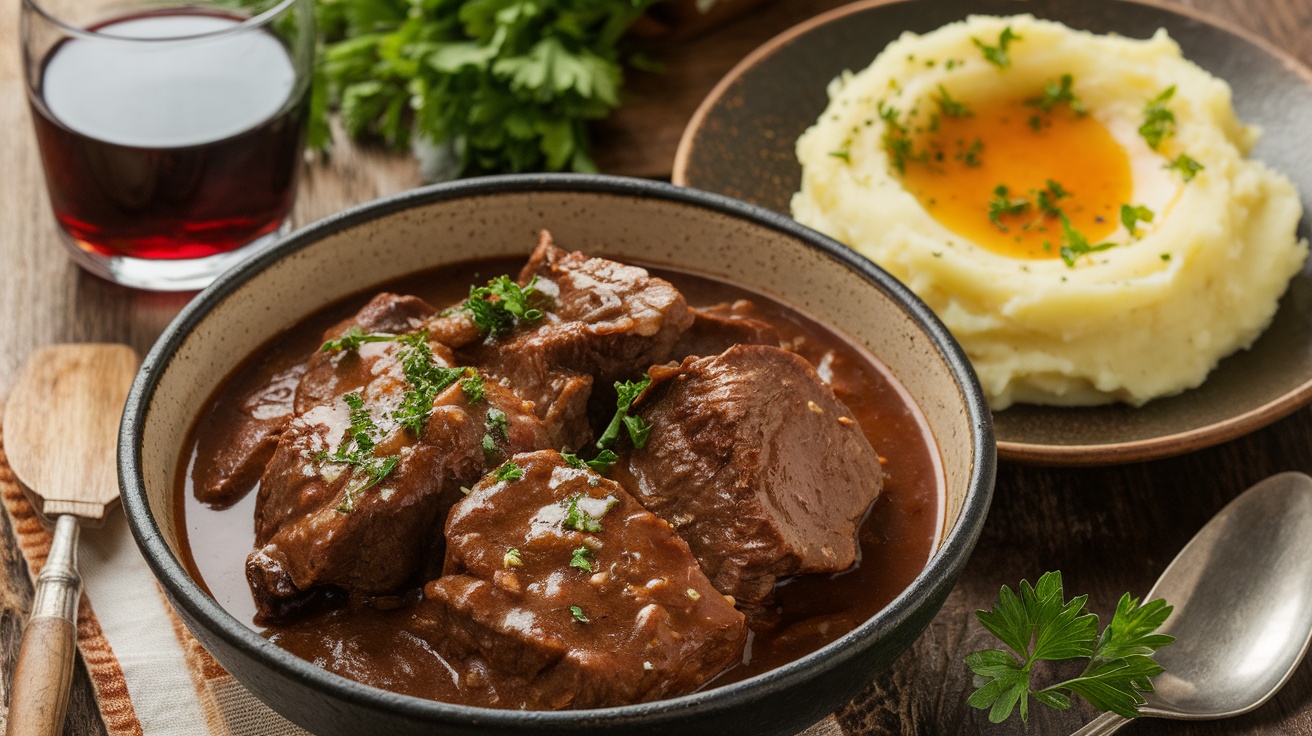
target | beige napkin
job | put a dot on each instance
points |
(150, 676)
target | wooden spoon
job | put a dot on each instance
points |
(60, 430)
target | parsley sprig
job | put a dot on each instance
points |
(427, 380)
(511, 84)
(1074, 244)
(638, 428)
(1039, 624)
(998, 55)
(501, 305)
(357, 451)
(1158, 121)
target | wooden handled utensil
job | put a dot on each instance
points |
(60, 430)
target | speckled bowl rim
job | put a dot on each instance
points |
(945, 564)
(1109, 453)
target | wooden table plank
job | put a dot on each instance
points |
(1109, 530)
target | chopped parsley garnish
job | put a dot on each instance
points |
(427, 380)
(577, 613)
(509, 471)
(1187, 167)
(638, 429)
(1131, 214)
(498, 430)
(997, 55)
(473, 386)
(1039, 624)
(897, 140)
(354, 338)
(1074, 245)
(601, 463)
(1050, 196)
(843, 154)
(1057, 93)
(1004, 205)
(512, 559)
(950, 107)
(1158, 122)
(582, 559)
(580, 520)
(502, 304)
(357, 451)
(970, 156)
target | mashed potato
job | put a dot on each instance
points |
(1078, 209)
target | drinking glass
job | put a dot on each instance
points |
(171, 134)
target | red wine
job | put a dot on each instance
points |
(170, 149)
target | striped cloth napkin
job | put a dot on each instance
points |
(149, 675)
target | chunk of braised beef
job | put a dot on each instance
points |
(560, 591)
(757, 465)
(717, 328)
(238, 439)
(602, 321)
(321, 520)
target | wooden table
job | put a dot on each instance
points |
(1108, 529)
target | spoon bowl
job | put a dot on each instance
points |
(1243, 608)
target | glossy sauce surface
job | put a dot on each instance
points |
(369, 642)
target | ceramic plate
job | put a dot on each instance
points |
(740, 143)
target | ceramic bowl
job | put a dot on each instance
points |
(496, 216)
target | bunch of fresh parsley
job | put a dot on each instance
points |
(1040, 624)
(510, 84)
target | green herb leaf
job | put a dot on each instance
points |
(582, 559)
(998, 55)
(509, 471)
(354, 338)
(1158, 121)
(1057, 93)
(1074, 245)
(580, 520)
(1049, 197)
(1132, 214)
(426, 378)
(897, 140)
(628, 391)
(600, 464)
(1040, 624)
(501, 305)
(1187, 167)
(508, 86)
(577, 613)
(357, 451)
(1004, 205)
(512, 559)
(474, 386)
(843, 154)
(950, 107)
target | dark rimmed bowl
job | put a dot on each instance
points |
(622, 218)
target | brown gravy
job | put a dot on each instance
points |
(897, 537)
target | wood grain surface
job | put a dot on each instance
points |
(1109, 530)
(61, 422)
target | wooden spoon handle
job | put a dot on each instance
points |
(39, 698)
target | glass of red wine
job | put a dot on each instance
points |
(171, 135)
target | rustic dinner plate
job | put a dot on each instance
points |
(740, 143)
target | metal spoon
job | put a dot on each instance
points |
(1242, 592)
